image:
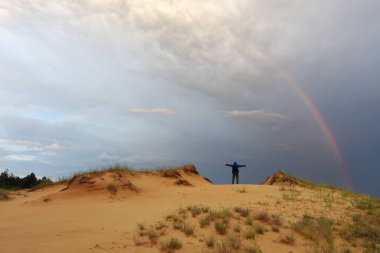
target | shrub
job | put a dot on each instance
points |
(234, 242)
(4, 195)
(139, 241)
(244, 212)
(276, 220)
(223, 214)
(237, 228)
(249, 221)
(275, 229)
(263, 216)
(223, 247)
(171, 245)
(253, 249)
(195, 210)
(314, 229)
(250, 234)
(153, 235)
(210, 241)
(259, 229)
(205, 221)
(288, 239)
(188, 229)
(221, 227)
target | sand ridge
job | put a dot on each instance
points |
(89, 215)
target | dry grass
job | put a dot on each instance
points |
(4, 194)
(288, 239)
(171, 245)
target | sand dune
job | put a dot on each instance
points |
(106, 211)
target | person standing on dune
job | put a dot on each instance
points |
(235, 171)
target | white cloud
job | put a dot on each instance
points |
(259, 115)
(54, 147)
(153, 111)
(16, 157)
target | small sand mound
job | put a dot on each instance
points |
(281, 178)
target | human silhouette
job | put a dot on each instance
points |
(235, 171)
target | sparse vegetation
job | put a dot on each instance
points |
(237, 228)
(249, 220)
(188, 229)
(221, 227)
(288, 239)
(253, 249)
(263, 216)
(234, 241)
(171, 245)
(250, 234)
(259, 229)
(291, 193)
(210, 241)
(244, 212)
(4, 195)
(315, 229)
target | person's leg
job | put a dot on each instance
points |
(233, 178)
(237, 178)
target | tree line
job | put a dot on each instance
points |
(9, 181)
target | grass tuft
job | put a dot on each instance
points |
(210, 241)
(171, 245)
(288, 239)
(221, 227)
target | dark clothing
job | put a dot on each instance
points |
(235, 171)
(235, 175)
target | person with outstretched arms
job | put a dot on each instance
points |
(235, 171)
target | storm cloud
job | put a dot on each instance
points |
(162, 83)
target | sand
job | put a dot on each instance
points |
(88, 217)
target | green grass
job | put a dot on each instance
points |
(259, 229)
(221, 227)
(210, 241)
(188, 229)
(171, 245)
(249, 221)
(315, 229)
(366, 228)
(234, 242)
(250, 234)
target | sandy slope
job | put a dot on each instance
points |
(86, 217)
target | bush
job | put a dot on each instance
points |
(210, 241)
(4, 195)
(259, 229)
(263, 216)
(250, 234)
(288, 239)
(171, 245)
(221, 227)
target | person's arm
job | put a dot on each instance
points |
(242, 165)
(229, 165)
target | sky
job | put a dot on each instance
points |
(277, 85)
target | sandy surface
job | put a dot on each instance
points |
(86, 217)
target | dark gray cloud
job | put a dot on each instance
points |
(161, 83)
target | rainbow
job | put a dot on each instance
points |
(325, 128)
